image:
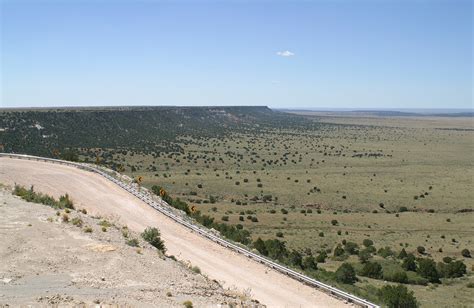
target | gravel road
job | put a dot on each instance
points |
(101, 197)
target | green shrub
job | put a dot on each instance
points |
(77, 221)
(403, 209)
(367, 242)
(196, 269)
(385, 252)
(30, 195)
(427, 269)
(414, 278)
(397, 297)
(321, 258)
(133, 242)
(403, 254)
(372, 270)
(364, 255)
(338, 251)
(466, 253)
(346, 274)
(399, 276)
(351, 248)
(409, 263)
(309, 262)
(295, 259)
(152, 236)
(447, 259)
(453, 269)
(188, 304)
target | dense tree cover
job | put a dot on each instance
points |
(59, 132)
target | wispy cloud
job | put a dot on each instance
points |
(285, 53)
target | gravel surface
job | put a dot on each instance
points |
(101, 197)
(46, 261)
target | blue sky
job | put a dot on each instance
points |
(302, 54)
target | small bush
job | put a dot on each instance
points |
(88, 230)
(367, 242)
(152, 236)
(196, 269)
(188, 304)
(77, 221)
(466, 253)
(133, 242)
(65, 218)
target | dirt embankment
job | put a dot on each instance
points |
(101, 197)
(47, 261)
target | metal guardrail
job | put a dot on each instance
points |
(165, 209)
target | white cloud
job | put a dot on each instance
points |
(285, 53)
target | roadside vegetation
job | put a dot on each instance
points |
(30, 195)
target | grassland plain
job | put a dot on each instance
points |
(360, 173)
(312, 180)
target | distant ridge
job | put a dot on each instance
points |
(385, 113)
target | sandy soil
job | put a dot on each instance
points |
(47, 261)
(101, 197)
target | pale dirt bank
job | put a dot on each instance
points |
(46, 261)
(101, 197)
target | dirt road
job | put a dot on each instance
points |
(101, 197)
(47, 262)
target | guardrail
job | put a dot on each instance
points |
(165, 209)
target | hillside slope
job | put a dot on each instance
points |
(40, 132)
(100, 197)
(46, 261)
